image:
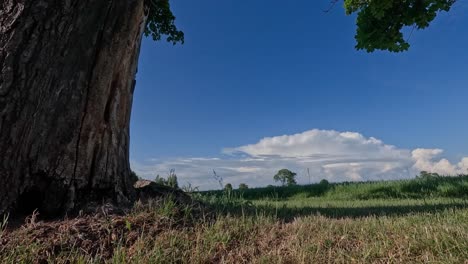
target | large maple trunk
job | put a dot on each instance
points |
(67, 71)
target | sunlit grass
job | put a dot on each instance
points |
(342, 225)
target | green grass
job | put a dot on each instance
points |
(426, 187)
(411, 221)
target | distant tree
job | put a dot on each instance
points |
(228, 188)
(427, 175)
(324, 182)
(243, 186)
(286, 177)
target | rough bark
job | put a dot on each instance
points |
(67, 72)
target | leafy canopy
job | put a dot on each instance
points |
(160, 22)
(286, 177)
(243, 186)
(380, 22)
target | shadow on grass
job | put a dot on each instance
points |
(289, 213)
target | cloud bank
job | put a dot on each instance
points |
(314, 155)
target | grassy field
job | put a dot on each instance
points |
(412, 221)
(422, 187)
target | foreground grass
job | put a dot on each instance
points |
(440, 237)
(297, 229)
(157, 235)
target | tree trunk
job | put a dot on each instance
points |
(67, 71)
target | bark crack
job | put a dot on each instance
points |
(113, 90)
(93, 165)
(90, 80)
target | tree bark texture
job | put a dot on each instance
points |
(67, 71)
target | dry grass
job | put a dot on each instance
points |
(92, 238)
(441, 238)
(299, 229)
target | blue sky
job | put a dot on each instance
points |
(255, 69)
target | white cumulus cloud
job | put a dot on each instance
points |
(320, 142)
(426, 160)
(325, 154)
